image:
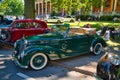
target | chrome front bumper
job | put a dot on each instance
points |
(18, 63)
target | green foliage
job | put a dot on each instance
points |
(76, 5)
(67, 5)
(15, 7)
(106, 18)
(3, 6)
(93, 3)
(118, 74)
(11, 7)
(97, 26)
(101, 18)
(82, 17)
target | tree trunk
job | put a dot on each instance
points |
(29, 9)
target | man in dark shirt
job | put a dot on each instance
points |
(112, 28)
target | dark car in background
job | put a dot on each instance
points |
(20, 28)
(108, 67)
(61, 42)
(5, 22)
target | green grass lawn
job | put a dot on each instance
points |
(94, 24)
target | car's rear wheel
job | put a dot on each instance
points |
(97, 48)
(38, 61)
(5, 36)
(58, 21)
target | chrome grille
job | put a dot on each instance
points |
(21, 46)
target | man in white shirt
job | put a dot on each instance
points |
(106, 36)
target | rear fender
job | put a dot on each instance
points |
(97, 40)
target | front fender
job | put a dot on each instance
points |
(29, 52)
(50, 52)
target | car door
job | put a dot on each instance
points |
(75, 45)
(36, 28)
(19, 30)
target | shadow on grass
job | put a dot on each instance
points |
(114, 45)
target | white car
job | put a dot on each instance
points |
(69, 19)
(54, 19)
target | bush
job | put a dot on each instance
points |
(97, 26)
(83, 17)
(93, 17)
(106, 18)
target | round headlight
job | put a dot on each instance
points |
(116, 62)
(114, 59)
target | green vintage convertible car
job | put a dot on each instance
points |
(62, 42)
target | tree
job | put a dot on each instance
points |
(11, 7)
(3, 6)
(67, 5)
(15, 7)
(75, 5)
(29, 9)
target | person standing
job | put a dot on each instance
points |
(79, 20)
(106, 36)
(88, 26)
(103, 30)
(112, 29)
(16, 18)
(117, 32)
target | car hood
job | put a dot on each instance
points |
(4, 26)
(48, 36)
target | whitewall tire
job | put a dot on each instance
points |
(98, 48)
(38, 61)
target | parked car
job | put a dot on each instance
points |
(62, 42)
(108, 67)
(54, 19)
(5, 22)
(69, 19)
(20, 28)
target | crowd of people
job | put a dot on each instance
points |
(110, 32)
(107, 32)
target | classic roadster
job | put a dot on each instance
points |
(61, 42)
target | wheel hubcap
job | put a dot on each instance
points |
(3, 36)
(38, 61)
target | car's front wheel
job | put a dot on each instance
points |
(97, 48)
(38, 61)
(101, 72)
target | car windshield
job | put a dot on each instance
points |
(76, 31)
(60, 28)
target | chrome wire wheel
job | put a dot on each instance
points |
(38, 61)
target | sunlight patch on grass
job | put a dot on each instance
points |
(111, 43)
